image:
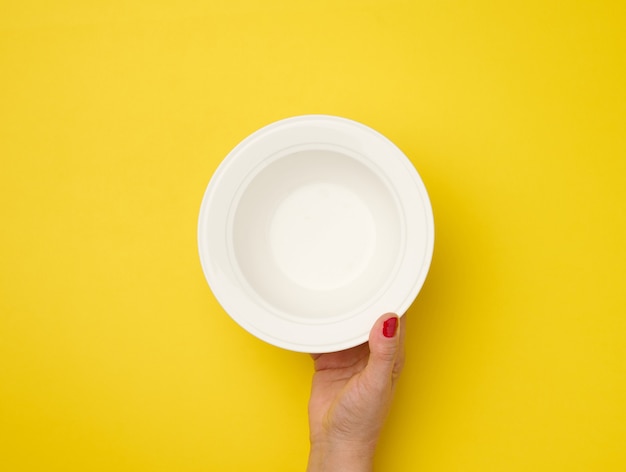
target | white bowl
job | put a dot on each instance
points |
(313, 227)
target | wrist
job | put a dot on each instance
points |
(341, 456)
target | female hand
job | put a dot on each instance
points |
(350, 397)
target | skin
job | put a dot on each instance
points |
(351, 395)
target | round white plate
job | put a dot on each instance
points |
(313, 227)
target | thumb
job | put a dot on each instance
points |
(385, 346)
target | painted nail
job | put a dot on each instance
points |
(389, 327)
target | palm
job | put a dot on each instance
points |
(338, 391)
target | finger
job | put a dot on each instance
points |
(385, 347)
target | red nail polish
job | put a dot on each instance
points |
(389, 327)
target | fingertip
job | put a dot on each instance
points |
(387, 325)
(384, 335)
(390, 327)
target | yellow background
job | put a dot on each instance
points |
(114, 355)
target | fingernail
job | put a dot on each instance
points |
(389, 327)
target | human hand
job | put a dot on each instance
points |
(351, 395)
